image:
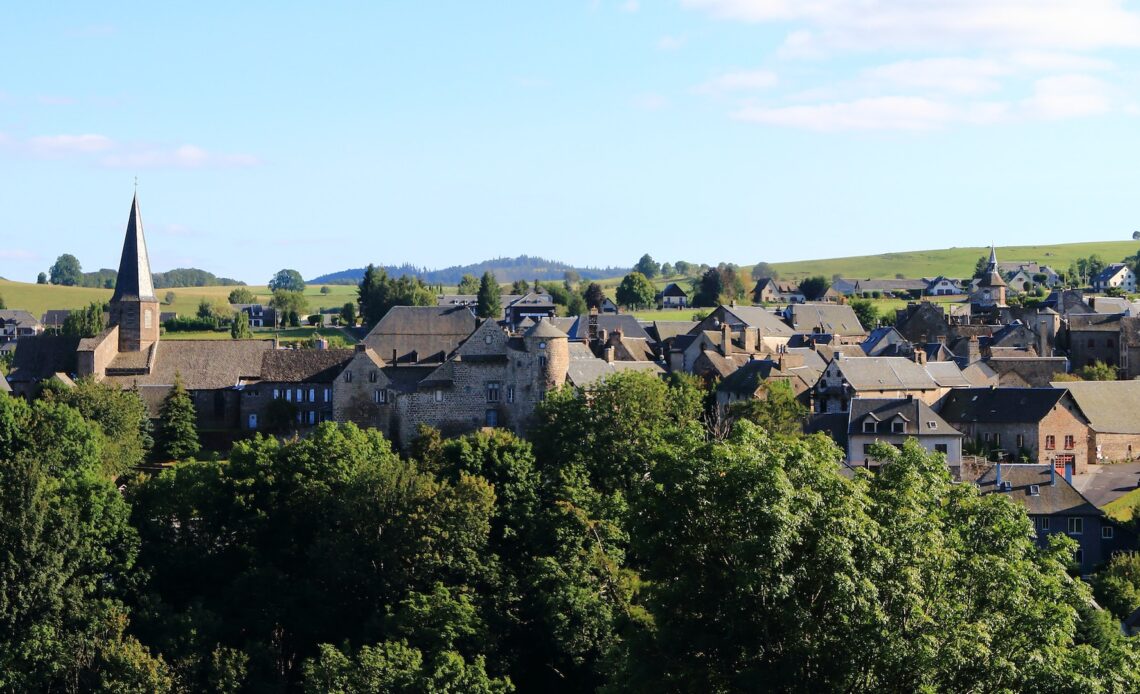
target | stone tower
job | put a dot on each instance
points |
(991, 287)
(553, 349)
(134, 308)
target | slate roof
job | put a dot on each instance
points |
(37, 358)
(1057, 498)
(1130, 331)
(134, 282)
(885, 373)
(918, 418)
(457, 299)
(812, 359)
(836, 319)
(545, 329)
(746, 379)
(1094, 322)
(202, 364)
(421, 333)
(55, 317)
(304, 365)
(662, 330)
(629, 326)
(759, 317)
(1108, 273)
(585, 369)
(672, 289)
(19, 317)
(880, 339)
(1111, 406)
(1000, 405)
(947, 374)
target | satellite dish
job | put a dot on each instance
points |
(1136, 236)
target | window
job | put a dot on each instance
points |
(493, 391)
(1021, 441)
(1079, 557)
(348, 377)
(276, 394)
(511, 396)
(328, 394)
(1034, 490)
(542, 362)
(898, 427)
(997, 440)
(1042, 523)
(253, 420)
(312, 417)
(380, 396)
(1050, 442)
(372, 376)
(492, 418)
(487, 338)
(1076, 525)
(289, 395)
(312, 395)
(932, 425)
(439, 396)
(987, 438)
(868, 427)
(300, 395)
(1070, 442)
(1106, 532)
(941, 448)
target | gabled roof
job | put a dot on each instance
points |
(1000, 405)
(663, 330)
(917, 417)
(746, 379)
(759, 317)
(56, 316)
(18, 317)
(947, 374)
(1054, 494)
(835, 319)
(626, 323)
(1094, 322)
(38, 357)
(545, 329)
(134, 282)
(1111, 406)
(304, 365)
(421, 333)
(1109, 272)
(672, 289)
(202, 364)
(885, 373)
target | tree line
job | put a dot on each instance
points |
(635, 543)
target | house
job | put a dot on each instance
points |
(893, 421)
(884, 287)
(608, 306)
(1054, 506)
(846, 379)
(15, 324)
(259, 315)
(420, 334)
(922, 322)
(838, 320)
(773, 291)
(942, 286)
(1044, 425)
(301, 377)
(750, 380)
(457, 299)
(1111, 408)
(672, 296)
(1066, 301)
(54, 318)
(1115, 275)
(1094, 337)
(530, 305)
(1021, 370)
(1018, 272)
(886, 342)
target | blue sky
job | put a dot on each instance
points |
(320, 137)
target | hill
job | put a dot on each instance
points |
(953, 262)
(524, 267)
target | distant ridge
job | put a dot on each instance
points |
(524, 267)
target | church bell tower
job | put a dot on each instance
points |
(134, 307)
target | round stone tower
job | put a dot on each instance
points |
(551, 348)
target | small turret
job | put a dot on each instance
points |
(552, 347)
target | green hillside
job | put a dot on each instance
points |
(952, 262)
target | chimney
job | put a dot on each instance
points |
(725, 339)
(920, 356)
(609, 352)
(395, 362)
(1052, 475)
(751, 339)
(973, 350)
(360, 347)
(602, 336)
(614, 337)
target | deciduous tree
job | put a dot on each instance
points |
(289, 280)
(636, 291)
(66, 271)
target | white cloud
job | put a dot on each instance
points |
(740, 80)
(877, 113)
(182, 157)
(70, 144)
(670, 43)
(1068, 96)
(874, 24)
(630, 6)
(955, 75)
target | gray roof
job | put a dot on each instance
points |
(626, 323)
(1094, 322)
(304, 365)
(663, 330)
(1000, 405)
(885, 373)
(812, 359)
(585, 369)
(56, 316)
(672, 289)
(202, 364)
(545, 329)
(947, 374)
(1054, 494)
(18, 317)
(759, 317)
(421, 333)
(918, 419)
(38, 357)
(835, 319)
(1111, 406)
(134, 282)
(746, 379)
(1108, 272)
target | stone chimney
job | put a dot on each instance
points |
(751, 339)
(973, 350)
(920, 356)
(790, 361)
(725, 339)
(609, 354)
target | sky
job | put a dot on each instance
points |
(324, 136)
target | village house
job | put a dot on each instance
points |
(942, 286)
(846, 379)
(838, 320)
(773, 291)
(1044, 425)
(301, 378)
(1094, 337)
(531, 305)
(1115, 275)
(672, 296)
(259, 315)
(892, 421)
(1111, 408)
(15, 324)
(751, 380)
(1055, 507)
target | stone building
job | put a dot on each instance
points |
(1094, 337)
(1111, 408)
(991, 288)
(892, 421)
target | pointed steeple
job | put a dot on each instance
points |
(134, 282)
(993, 258)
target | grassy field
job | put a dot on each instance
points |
(1125, 508)
(286, 335)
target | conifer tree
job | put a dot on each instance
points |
(489, 305)
(239, 329)
(179, 434)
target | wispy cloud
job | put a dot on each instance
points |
(17, 254)
(102, 150)
(670, 43)
(740, 81)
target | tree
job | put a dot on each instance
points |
(647, 266)
(348, 314)
(667, 270)
(377, 293)
(289, 280)
(86, 322)
(594, 295)
(239, 328)
(168, 298)
(1117, 586)
(42, 278)
(981, 266)
(289, 304)
(469, 284)
(520, 287)
(866, 312)
(325, 289)
(66, 271)
(241, 295)
(1097, 371)
(707, 289)
(205, 309)
(636, 291)
(571, 278)
(682, 268)
(813, 288)
(1094, 266)
(178, 433)
(575, 305)
(489, 305)
(119, 416)
(764, 270)
(776, 411)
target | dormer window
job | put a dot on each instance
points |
(897, 427)
(868, 427)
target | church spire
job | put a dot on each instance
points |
(134, 282)
(993, 258)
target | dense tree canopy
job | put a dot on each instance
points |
(289, 280)
(636, 291)
(241, 295)
(648, 266)
(813, 288)
(377, 292)
(86, 322)
(66, 270)
(469, 284)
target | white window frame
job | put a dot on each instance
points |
(1107, 532)
(1075, 525)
